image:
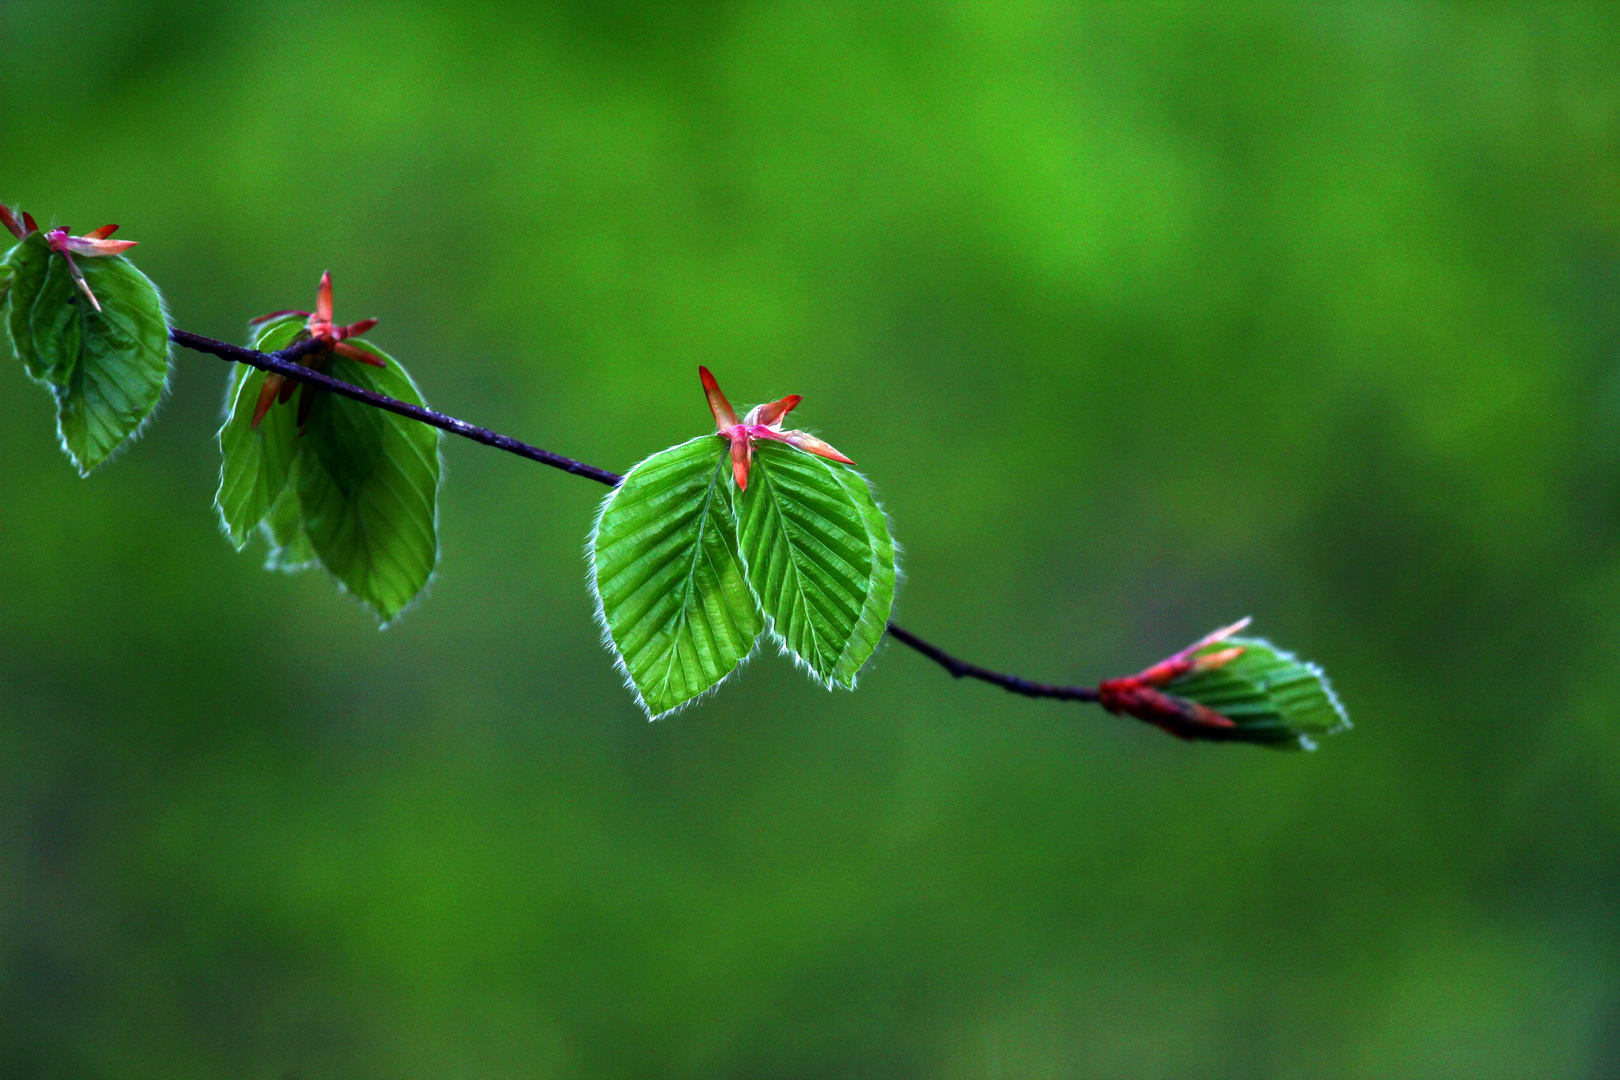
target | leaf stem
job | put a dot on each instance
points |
(285, 363)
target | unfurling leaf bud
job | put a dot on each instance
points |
(1231, 689)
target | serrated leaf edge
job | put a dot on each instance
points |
(1305, 741)
(438, 485)
(157, 406)
(783, 649)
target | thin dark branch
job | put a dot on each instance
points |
(286, 363)
(961, 669)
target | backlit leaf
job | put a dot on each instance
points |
(255, 462)
(819, 557)
(355, 492)
(368, 485)
(283, 527)
(670, 589)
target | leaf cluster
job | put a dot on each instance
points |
(701, 552)
(332, 482)
(690, 572)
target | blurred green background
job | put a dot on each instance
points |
(1141, 317)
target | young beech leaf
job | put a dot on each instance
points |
(107, 367)
(1271, 696)
(255, 461)
(368, 485)
(820, 558)
(671, 595)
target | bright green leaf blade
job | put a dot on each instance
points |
(255, 462)
(283, 527)
(670, 589)
(1272, 696)
(371, 517)
(874, 620)
(56, 324)
(107, 368)
(819, 557)
(29, 262)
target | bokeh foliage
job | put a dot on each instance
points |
(1141, 317)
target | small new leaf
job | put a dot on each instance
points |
(671, 595)
(1230, 689)
(1271, 696)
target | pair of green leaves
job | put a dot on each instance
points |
(355, 492)
(107, 368)
(688, 571)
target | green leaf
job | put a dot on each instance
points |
(283, 527)
(255, 462)
(28, 262)
(1272, 696)
(107, 368)
(368, 487)
(820, 558)
(670, 590)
